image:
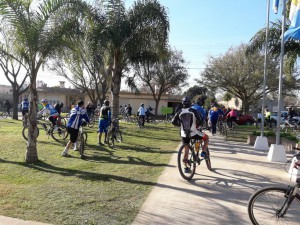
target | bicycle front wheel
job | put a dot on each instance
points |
(265, 204)
(186, 162)
(110, 138)
(207, 160)
(25, 132)
(59, 133)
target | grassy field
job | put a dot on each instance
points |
(108, 187)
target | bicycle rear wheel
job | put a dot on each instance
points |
(265, 204)
(186, 162)
(119, 136)
(25, 132)
(60, 133)
(5, 115)
(207, 160)
(110, 138)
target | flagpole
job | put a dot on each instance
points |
(280, 74)
(265, 69)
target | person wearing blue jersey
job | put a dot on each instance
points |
(199, 107)
(104, 121)
(49, 110)
(78, 115)
(213, 114)
(24, 106)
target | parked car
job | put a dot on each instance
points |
(282, 116)
(245, 119)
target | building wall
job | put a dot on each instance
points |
(70, 96)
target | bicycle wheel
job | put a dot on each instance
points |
(81, 145)
(91, 123)
(110, 139)
(119, 136)
(265, 204)
(25, 132)
(59, 133)
(186, 162)
(207, 160)
(5, 115)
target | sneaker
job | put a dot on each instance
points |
(75, 149)
(65, 153)
(187, 170)
(203, 154)
(101, 144)
(105, 142)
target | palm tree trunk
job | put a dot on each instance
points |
(115, 91)
(31, 150)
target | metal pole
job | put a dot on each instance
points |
(265, 70)
(280, 75)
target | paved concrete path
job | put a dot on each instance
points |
(212, 197)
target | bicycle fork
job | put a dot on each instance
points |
(290, 195)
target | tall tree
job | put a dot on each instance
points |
(196, 90)
(240, 74)
(40, 30)
(14, 70)
(133, 36)
(164, 76)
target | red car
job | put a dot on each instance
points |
(245, 119)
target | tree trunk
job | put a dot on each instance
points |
(115, 91)
(15, 103)
(116, 84)
(31, 150)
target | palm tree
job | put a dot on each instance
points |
(40, 30)
(132, 36)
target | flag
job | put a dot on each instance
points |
(275, 6)
(293, 31)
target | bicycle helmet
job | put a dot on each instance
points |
(44, 100)
(106, 102)
(186, 102)
(25, 99)
(142, 104)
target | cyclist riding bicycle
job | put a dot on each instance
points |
(49, 110)
(190, 120)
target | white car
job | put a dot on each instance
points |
(282, 116)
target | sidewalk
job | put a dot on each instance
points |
(212, 197)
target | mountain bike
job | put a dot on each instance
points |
(188, 158)
(275, 205)
(58, 133)
(114, 134)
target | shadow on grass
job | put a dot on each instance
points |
(47, 168)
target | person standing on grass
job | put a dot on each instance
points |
(8, 106)
(104, 121)
(77, 116)
(142, 113)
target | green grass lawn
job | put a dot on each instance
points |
(108, 187)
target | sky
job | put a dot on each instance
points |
(202, 28)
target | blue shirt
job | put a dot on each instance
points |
(214, 113)
(25, 105)
(76, 116)
(200, 110)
